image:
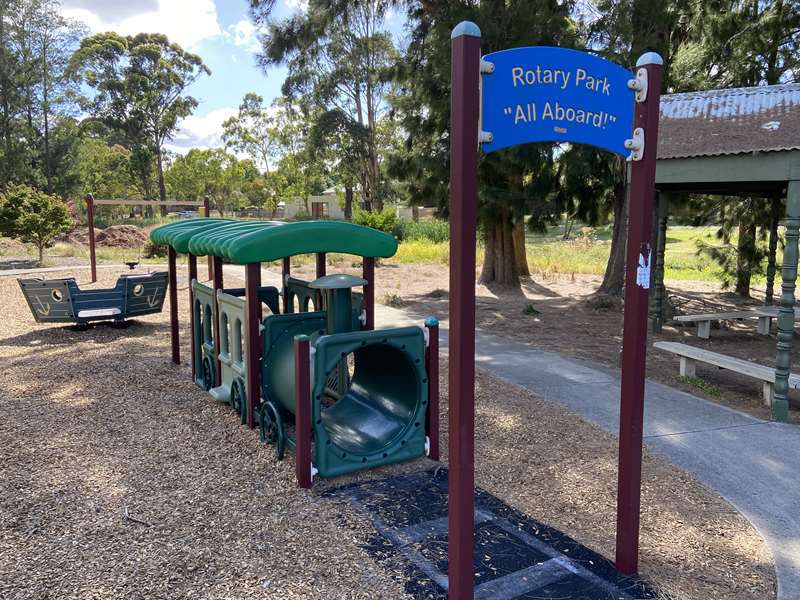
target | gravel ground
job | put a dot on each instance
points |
(120, 479)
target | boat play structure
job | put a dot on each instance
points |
(62, 301)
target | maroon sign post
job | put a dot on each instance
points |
(465, 43)
(594, 102)
(634, 339)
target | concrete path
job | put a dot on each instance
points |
(753, 464)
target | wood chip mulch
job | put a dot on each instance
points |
(121, 479)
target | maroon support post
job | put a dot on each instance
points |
(173, 305)
(321, 270)
(368, 273)
(634, 340)
(192, 277)
(252, 281)
(432, 366)
(464, 115)
(321, 265)
(302, 415)
(217, 285)
(287, 271)
(207, 210)
(90, 219)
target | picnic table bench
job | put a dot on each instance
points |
(704, 320)
(690, 356)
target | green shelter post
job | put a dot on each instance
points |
(783, 361)
(192, 259)
(659, 291)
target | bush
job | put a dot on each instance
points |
(433, 231)
(386, 220)
(152, 250)
(33, 217)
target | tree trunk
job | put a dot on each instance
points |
(499, 262)
(520, 255)
(746, 247)
(41, 254)
(5, 91)
(614, 277)
(162, 188)
(348, 202)
(46, 112)
(773, 250)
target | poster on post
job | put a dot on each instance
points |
(546, 94)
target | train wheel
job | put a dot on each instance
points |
(208, 373)
(238, 399)
(272, 431)
(242, 410)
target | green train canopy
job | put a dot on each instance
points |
(245, 242)
(178, 234)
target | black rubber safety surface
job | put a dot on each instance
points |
(516, 557)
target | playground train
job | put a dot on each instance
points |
(304, 363)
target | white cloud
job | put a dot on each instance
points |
(201, 132)
(245, 35)
(186, 22)
(301, 5)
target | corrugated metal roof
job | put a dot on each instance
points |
(732, 121)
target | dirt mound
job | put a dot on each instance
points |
(114, 236)
(121, 236)
(79, 236)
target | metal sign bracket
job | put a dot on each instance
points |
(636, 145)
(639, 85)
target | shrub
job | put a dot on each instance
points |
(433, 231)
(382, 221)
(33, 217)
(152, 250)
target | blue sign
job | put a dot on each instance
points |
(544, 94)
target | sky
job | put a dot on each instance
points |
(221, 32)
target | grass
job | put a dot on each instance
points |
(585, 253)
(702, 385)
(422, 251)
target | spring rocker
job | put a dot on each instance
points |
(304, 363)
(62, 301)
